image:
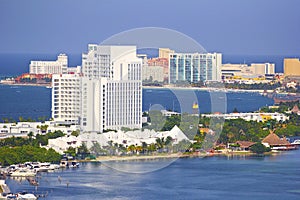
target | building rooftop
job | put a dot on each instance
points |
(273, 140)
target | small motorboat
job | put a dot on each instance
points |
(296, 142)
(26, 196)
(22, 173)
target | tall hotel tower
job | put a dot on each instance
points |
(194, 67)
(110, 90)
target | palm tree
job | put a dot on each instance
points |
(131, 148)
(160, 143)
(144, 146)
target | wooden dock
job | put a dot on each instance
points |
(4, 187)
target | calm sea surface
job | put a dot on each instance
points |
(269, 177)
(33, 102)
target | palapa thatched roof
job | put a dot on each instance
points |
(273, 140)
(295, 109)
(245, 144)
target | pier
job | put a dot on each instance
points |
(3, 187)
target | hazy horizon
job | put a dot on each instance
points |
(249, 27)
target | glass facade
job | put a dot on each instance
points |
(194, 67)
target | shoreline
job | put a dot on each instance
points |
(210, 89)
(26, 84)
(104, 159)
(206, 89)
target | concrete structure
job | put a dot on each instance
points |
(112, 88)
(162, 62)
(291, 67)
(263, 68)
(50, 67)
(107, 95)
(144, 59)
(259, 117)
(153, 73)
(168, 113)
(22, 129)
(243, 71)
(74, 70)
(66, 98)
(231, 70)
(194, 67)
(165, 52)
(120, 137)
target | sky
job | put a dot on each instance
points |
(237, 27)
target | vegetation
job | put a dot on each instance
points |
(25, 153)
(18, 150)
(23, 119)
(259, 148)
(75, 133)
(255, 86)
(283, 107)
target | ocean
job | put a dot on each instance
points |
(274, 177)
(34, 101)
(220, 177)
(16, 64)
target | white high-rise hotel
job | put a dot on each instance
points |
(110, 90)
(59, 66)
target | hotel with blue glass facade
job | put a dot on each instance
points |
(194, 67)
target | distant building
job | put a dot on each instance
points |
(162, 62)
(259, 117)
(144, 58)
(74, 70)
(153, 73)
(164, 52)
(194, 67)
(50, 67)
(263, 68)
(243, 71)
(22, 129)
(291, 67)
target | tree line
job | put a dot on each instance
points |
(19, 149)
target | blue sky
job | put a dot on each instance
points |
(245, 27)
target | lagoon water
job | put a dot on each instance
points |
(219, 177)
(33, 102)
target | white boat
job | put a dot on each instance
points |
(44, 167)
(63, 163)
(73, 164)
(297, 142)
(19, 196)
(22, 173)
(26, 196)
(69, 163)
(54, 166)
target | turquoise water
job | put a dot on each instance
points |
(269, 177)
(34, 102)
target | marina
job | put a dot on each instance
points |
(204, 178)
(30, 172)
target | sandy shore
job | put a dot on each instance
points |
(139, 157)
(204, 89)
(172, 156)
(27, 84)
